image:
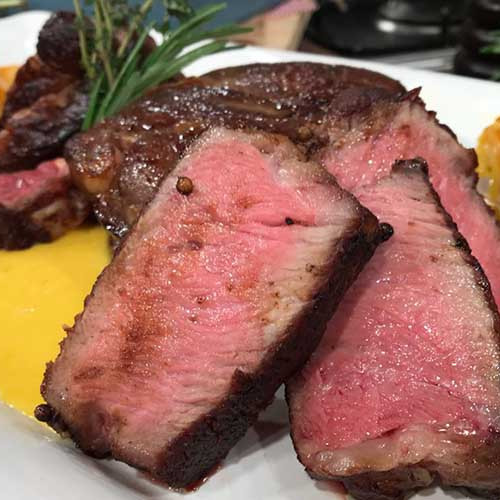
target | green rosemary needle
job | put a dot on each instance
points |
(112, 45)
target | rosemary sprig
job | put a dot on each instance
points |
(112, 40)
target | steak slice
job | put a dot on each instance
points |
(220, 292)
(39, 205)
(364, 144)
(404, 386)
(121, 162)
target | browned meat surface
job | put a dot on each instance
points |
(218, 294)
(55, 66)
(39, 205)
(122, 161)
(39, 132)
(58, 44)
(47, 101)
(34, 79)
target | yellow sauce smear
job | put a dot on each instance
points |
(41, 289)
(7, 76)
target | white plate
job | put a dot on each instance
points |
(36, 464)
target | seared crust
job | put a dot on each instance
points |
(419, 165)
(18, 231)
(44, 220)
(55, 66)
(39, 132)
(58, 44)
(47, 101)
(33, 80)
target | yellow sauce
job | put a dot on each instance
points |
(41, 289)
(7, 76)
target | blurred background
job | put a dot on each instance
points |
(461, 36)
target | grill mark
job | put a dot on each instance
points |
(89, 373)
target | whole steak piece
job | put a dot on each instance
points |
(219, 293)
(404, 387)
(55, 65)
(121, 162)
(365, 142)
(39, 205)
(47, 101)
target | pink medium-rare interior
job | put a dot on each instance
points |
(410, 351)
(411, 133)
(18, 189)
(203, 287)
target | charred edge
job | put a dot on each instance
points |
(384, 486)
(29, 144)
(493, 494)
(397, 484)
(47, 414)
(57, 422)
(44, 413)
(18, 231)
(411, 96)
(58, 43)
(206, 442)
(460, 243)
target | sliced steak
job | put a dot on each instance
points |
(365, 143)
(218, 294)
(39, 205)
(121, 162)
(405, 385)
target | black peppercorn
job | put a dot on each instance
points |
(184, 185)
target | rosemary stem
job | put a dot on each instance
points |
(118, 77)
(144, 9)
(82, 40)
(107, 22)
(100, 42)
